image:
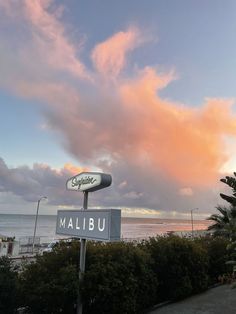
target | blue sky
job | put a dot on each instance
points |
(23, 138)
(142, 90)
(195, 37)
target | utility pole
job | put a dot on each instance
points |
(36, 220)
(192, 219)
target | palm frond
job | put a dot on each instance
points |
(229, 199)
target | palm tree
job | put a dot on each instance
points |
(231, 182)
(224, 222)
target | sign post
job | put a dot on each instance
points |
(98, 225)
(82, 258)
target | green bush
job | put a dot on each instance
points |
(50, 284)
(216, 248)
(8, 284)
(119, 279)
(181, 266)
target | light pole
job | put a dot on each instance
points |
(36, 219)
(192, 219)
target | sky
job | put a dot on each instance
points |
(142, 90)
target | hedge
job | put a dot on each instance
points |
(181, 266)
(119, 278)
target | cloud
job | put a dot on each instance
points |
(154, 190)
(149, 192)
(133, 195)
(74, 169)
(42, 39)
(48, 34)
(185, 143)
(186, 191)
(122, 185)
(136, 124)
(31, 183)
(109, 57)
(140, 212)
(155, 148)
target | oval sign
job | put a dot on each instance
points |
(89, 181)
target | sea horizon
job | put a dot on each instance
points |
(122, 216)
(22, 225)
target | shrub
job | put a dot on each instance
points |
(181, 266)
(119, 279)
(8, 284)
(50, 284)
(216, 248)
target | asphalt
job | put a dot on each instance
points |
(218, 300)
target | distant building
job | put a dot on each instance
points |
(8, 246)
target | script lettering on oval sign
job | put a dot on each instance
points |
(89, 181)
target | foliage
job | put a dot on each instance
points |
(50, 284)
(216, 248)
(181, 266)
(122, 277)
(118, 279)
(225, 222)
(231, 182)
(8, 284)
(231, 262)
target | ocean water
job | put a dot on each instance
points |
(132, 228)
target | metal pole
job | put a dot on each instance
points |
(82, 259)
(35, 225)
(192, 219)
(36, 220)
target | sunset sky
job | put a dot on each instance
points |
(143, 90)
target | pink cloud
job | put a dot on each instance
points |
(137, 125)
(185, 143)
(74, 169)
(109, 57)
(52, 93)
(49, 42)
(186, 191)
(129, 123)
(49, 34)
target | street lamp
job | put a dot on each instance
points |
(192, 219)
(36, 219)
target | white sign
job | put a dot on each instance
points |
(99, 225)
(89, 181)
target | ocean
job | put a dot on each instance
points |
(20, 226)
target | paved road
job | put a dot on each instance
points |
(217, 300)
